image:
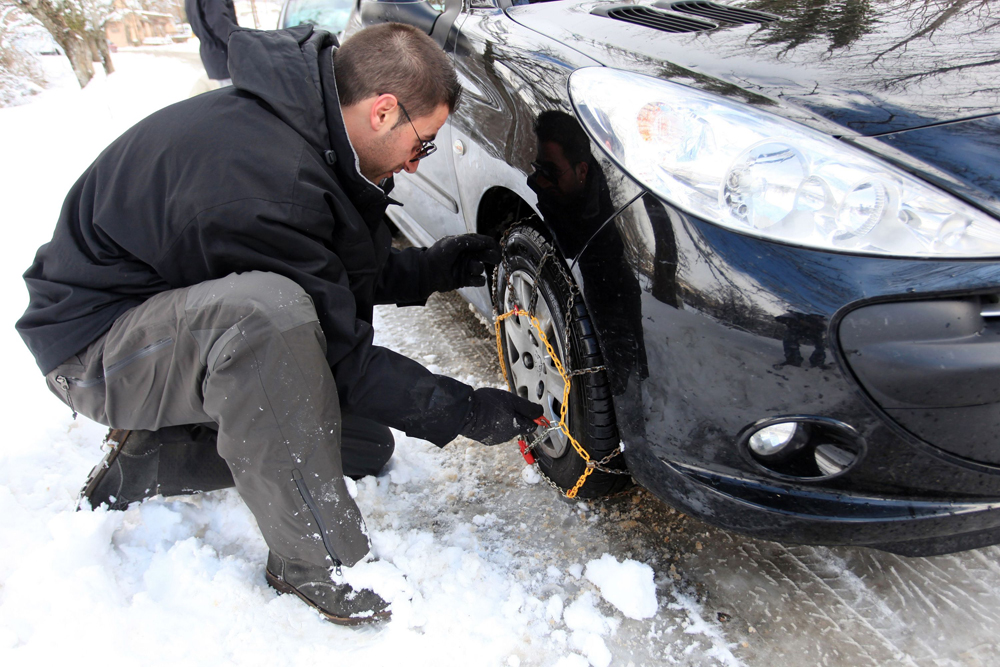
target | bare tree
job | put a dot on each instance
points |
(20, 73)
(78, 27)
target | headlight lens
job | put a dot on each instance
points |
(762, 174)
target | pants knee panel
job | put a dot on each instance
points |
(256, 293)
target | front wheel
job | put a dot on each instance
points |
(532, 278)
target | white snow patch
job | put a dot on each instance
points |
(554, 609)
(530, 475)
(572, 660)
(593, 647)
(382, 577)
(628, 585)
(584, 616)
(485, 520)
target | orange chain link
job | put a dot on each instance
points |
(564, 408)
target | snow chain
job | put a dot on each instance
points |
(529, 312)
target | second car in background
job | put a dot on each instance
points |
(330, 15)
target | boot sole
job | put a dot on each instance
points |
(101, 469)
(284, 587)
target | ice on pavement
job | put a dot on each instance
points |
(627, 585)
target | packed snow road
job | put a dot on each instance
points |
(486, 565)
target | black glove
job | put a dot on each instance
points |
(498, 416)
(458, 261)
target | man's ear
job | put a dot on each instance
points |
(581, 171)
(384, 111)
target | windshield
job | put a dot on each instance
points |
(331, 15)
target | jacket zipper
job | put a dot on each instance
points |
(307, 497)
(64, 382)
(135, 356)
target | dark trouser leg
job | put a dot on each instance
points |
(172, 461)
(245, 352)
(188, 461)
(365, 447)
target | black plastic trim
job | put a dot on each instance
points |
(657, 19)
(836, 348)
(721, 14)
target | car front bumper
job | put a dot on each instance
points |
(908, 527)
(729, 330)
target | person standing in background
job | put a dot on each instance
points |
(212, 21)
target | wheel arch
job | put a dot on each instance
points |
(499, 208)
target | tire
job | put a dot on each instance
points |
(532, 374)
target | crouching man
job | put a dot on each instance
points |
(208, 294)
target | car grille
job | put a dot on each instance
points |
(721, 14)
(655, 18)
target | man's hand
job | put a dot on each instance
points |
(498, 416)
(458, 261)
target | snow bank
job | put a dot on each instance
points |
(627, 585)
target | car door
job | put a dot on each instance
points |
(492, 134)
(432, 207)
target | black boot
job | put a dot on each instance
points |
(140, 464)
(338, 603)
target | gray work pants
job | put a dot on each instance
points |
(247, 354)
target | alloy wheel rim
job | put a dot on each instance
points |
(531, 369)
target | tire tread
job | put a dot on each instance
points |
(593, 399)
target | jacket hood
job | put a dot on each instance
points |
(282, 68)
(292, 72)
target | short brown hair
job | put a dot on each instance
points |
(398, 59)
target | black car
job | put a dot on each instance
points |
(759, 242)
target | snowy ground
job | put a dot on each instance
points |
(485, 565)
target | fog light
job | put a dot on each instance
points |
(772, 440)
(802, 447)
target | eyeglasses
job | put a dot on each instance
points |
(548, 171)
(426, 147)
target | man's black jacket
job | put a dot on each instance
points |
(212, 21)
(260, 176)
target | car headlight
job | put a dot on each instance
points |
(761, 174)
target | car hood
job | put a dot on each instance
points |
(847, 67)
